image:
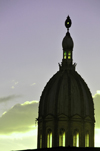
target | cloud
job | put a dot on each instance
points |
(19, 119)
(16, 83)
(96, 99)
(33, 84)
(18, 141)
(12, 87)
(8, 98)
(97, 137)
(97, 94)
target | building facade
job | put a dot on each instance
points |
(66, 109)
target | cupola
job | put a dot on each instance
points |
(67, 44)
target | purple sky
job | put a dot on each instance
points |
(31, 34)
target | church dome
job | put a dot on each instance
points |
(66, 109)
(66, 93)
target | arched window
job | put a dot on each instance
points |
(76, 138)
(49, 138)
(65, 55)
(69, 55)
(62, 137)
(40, 140)
(87, 139)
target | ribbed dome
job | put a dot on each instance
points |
(66, 93)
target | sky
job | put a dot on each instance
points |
(31, 34)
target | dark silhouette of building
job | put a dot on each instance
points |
(65, 149)
(66, 109)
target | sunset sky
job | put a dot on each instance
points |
(31, 34)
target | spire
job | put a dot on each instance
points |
(68, 23)
(67, 45)
(67, 42)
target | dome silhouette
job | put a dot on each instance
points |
(66, 93)
(66, 108)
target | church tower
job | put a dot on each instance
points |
(66, 109)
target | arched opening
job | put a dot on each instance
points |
(76, 138)
(65, 55)
(40, 140)
(49, 138)
(87, 139)
(69, 55)
(62, 137)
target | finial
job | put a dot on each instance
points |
(68, 23)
